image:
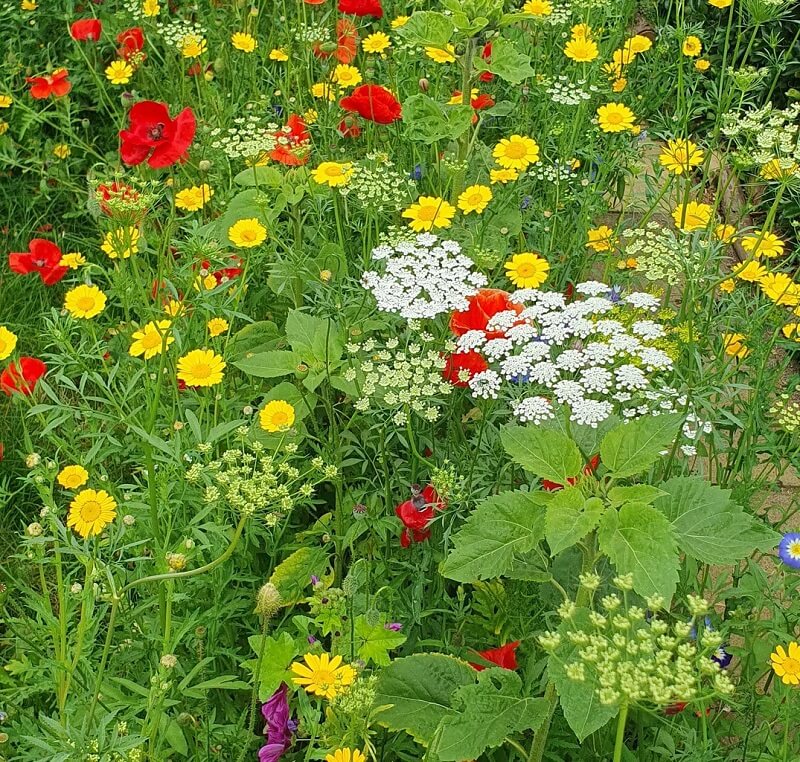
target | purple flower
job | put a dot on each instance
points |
(393, 626)
(279, 726)
(416, 173)
(314, 580)
(789, 549)
(311, 640)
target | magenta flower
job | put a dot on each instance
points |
(279, 726)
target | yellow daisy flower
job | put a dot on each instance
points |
(679, 156)
(615, 117)
(752, 272)
(734, 346)
(151, 8)
(247, 233)
(516, 152)
(119, 72)
(201, 367)
(538, 7)
(91, 512)
(581, 49)
(503, 176)
(277, 415)
(346, 76)
(527, 270)
(61, 151)
(441, 55)
(787, 665)
(429, 212)
(278, 54)
(377, 42)
(692, 46)
(345, 755)
(474, 199)
(6, 101)
(151, 339)
(725, 233)
(601, 238)
(193, 45)
(84, 301)
(692, 216)
(399, 21)
(194, 198)
(323, 90)
(322, 675)
(121, 243)
(764, 244)
(780, 288)
(72, 477)
(217, 326)
(244, 42)
(8, 341)
(332, 173)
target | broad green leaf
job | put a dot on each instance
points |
(570, 518)
(587, 438)
(261, 336)
(640, 493)
(268, 176)
(270, 364)
(489, 710)
(428, 120)
(634, 446)
(544, 452)
(582, 709)
(315, 339)
(277, 655)
(292, 577)
(502, 525)
(174, 735)
(507, 62)
(710, 527)
(639, 540)
(374, 642)
(415, 693)
(427, 28)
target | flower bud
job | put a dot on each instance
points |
(268, 600)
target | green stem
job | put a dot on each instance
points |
(618, 744)
(540, 739)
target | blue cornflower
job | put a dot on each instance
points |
(789, 549)
(416, 173)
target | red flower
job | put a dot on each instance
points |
(313, 2)
(503, 656)
(486, 55)
(361, 8)
(417, 513)
(131, 42)
(470, 361)
(346, 43)
(348, 127)
(480, 101)
(373, 102)
(293, 147)
(226, 273)
(86, 29)
(483, 306)
(155, 137)
(22, 376)
(42, 257)
(589, 468)
(55, 84)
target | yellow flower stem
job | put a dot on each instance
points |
(464, 141)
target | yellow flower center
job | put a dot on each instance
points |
(151, 340)
(792, 666)
(427, 213)
(614, 117)
(333, 171)
(516, 150)
(474, 199)
(85, 303)
(201, 370)
(280, 418)
(91, 510)
(526, 269)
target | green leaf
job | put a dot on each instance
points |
(710, 527)
(292, 577)
(634, 446)
(428, 120)
(570, 518)
(507, 62)
(640, 493)
(268, 176)
(375, 641)
(502, 525)
(544, 452)
(174, 735)
(489, 711)
(415, 693)
(639, 540)
(427, 28)
(582, 709)
(315, 339)
(278, 654)
(270, 364)
(256, 337)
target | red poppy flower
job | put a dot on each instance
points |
(346, 43)
(55, 84)
(373, 102)
(482, 307)
(226, 273)
(503, 656)
(472, 362)
(42, 257)
(86, 29)
(131, 42)
(480, 101)
(22, 376)
(486, 55)
(589, 468)
(348, 127)
(417, 513)
(293, 147)
(313, 2)
(361, 8)
(155, 137)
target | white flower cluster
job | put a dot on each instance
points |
(567, 93)
(423, 278)
(765, 134)
(376, 185)
(409, 379)
(248, 138)
(597, 355)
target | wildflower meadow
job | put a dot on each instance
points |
(390, 381)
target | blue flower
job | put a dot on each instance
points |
(416, 173)
(789, 549)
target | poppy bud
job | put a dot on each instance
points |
(423, 85)
(329, 47)
(204, 165)
(268, 600)
(127, 99)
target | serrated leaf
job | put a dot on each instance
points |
(582, 709)
(640, 493)
(639, 540)
(375, 641)
(634, 446)
(710, 527)
(489, 710)
(272, 364)
(507, 62)
(427, 28)
(428, 120)
(570, 518)
(315, 339)
(544, 452)
(415, 693)
(278, 654)
(292, 577)
(500, 527)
